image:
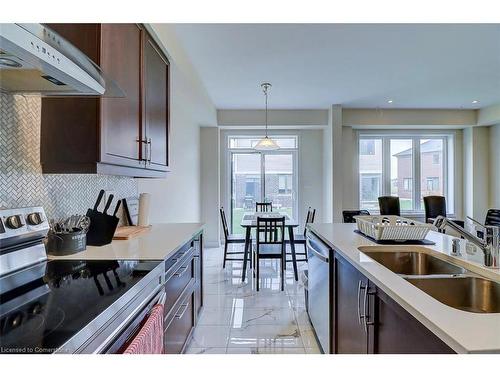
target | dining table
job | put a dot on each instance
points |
(249, 222)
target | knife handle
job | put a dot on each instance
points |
(108, 203)
(117, 207)
(98, 201)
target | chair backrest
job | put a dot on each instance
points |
(434, 205)
(224, 222)
(271, 230)
(389, 205)
(349, 215)
(311, 214)
(493, 217)
(263, 207)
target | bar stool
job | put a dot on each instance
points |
(348, 215)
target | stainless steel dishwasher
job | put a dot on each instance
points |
(320, 285)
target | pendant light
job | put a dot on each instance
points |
(266, 143)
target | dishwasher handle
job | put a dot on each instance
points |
(320, 256)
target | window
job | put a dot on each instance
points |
(285, 184)
(367, 147)
(407, 184)
(435, 158)
(245, 142)
(370, 174)
(432, 185)
(409, 167)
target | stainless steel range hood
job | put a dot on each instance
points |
(36, 60)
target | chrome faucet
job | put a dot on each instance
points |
(490, 245)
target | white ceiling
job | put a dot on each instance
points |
(356, 65)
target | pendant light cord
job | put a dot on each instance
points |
(265, 87)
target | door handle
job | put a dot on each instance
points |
(150, 142)
(143, 141)
(365, 309)
(360, 287)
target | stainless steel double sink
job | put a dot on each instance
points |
(450, 284)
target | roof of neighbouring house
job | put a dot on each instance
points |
(432, 145)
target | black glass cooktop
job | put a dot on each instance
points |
(45, 305)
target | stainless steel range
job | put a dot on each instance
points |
(63, 306)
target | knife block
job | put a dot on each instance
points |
(102, 228)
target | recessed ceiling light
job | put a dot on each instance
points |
(389, 101)
(475, 101)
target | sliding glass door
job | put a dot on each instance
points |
(261, 177)
(246, 186)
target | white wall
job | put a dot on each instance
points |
(494, 156)
(210, 184)
(279, 118)
(476, 171)
(177, 197)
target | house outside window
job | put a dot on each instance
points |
(367, 147)
(284, 184)
(407, 183)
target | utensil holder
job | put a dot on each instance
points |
(65, 243)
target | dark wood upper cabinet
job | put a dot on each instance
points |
(122, 136)
(156, 106)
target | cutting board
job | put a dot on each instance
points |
(128, 232)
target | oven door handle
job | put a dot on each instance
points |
(118, 331)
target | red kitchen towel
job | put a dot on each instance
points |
(149, 339)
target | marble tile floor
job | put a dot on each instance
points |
(237, 319)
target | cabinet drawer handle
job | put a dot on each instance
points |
(181, 271)
(182, 310)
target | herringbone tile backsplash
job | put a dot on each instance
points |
(21, 180)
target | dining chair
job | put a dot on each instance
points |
(493, 217)
(230, 239)
(270, 244)
(435, 205)
(348, 215)
(263, 207)
(389, 205)
(301, 238)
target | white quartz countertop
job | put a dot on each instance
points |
(465, 332)
(157, 244)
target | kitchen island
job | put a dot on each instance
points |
(448, 329)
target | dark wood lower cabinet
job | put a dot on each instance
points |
(398, 332)
(179, 326)
(184, 300)
(367, 321)
(352, 336)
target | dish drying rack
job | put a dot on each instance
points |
(391, 227)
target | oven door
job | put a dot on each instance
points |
(130, 330)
